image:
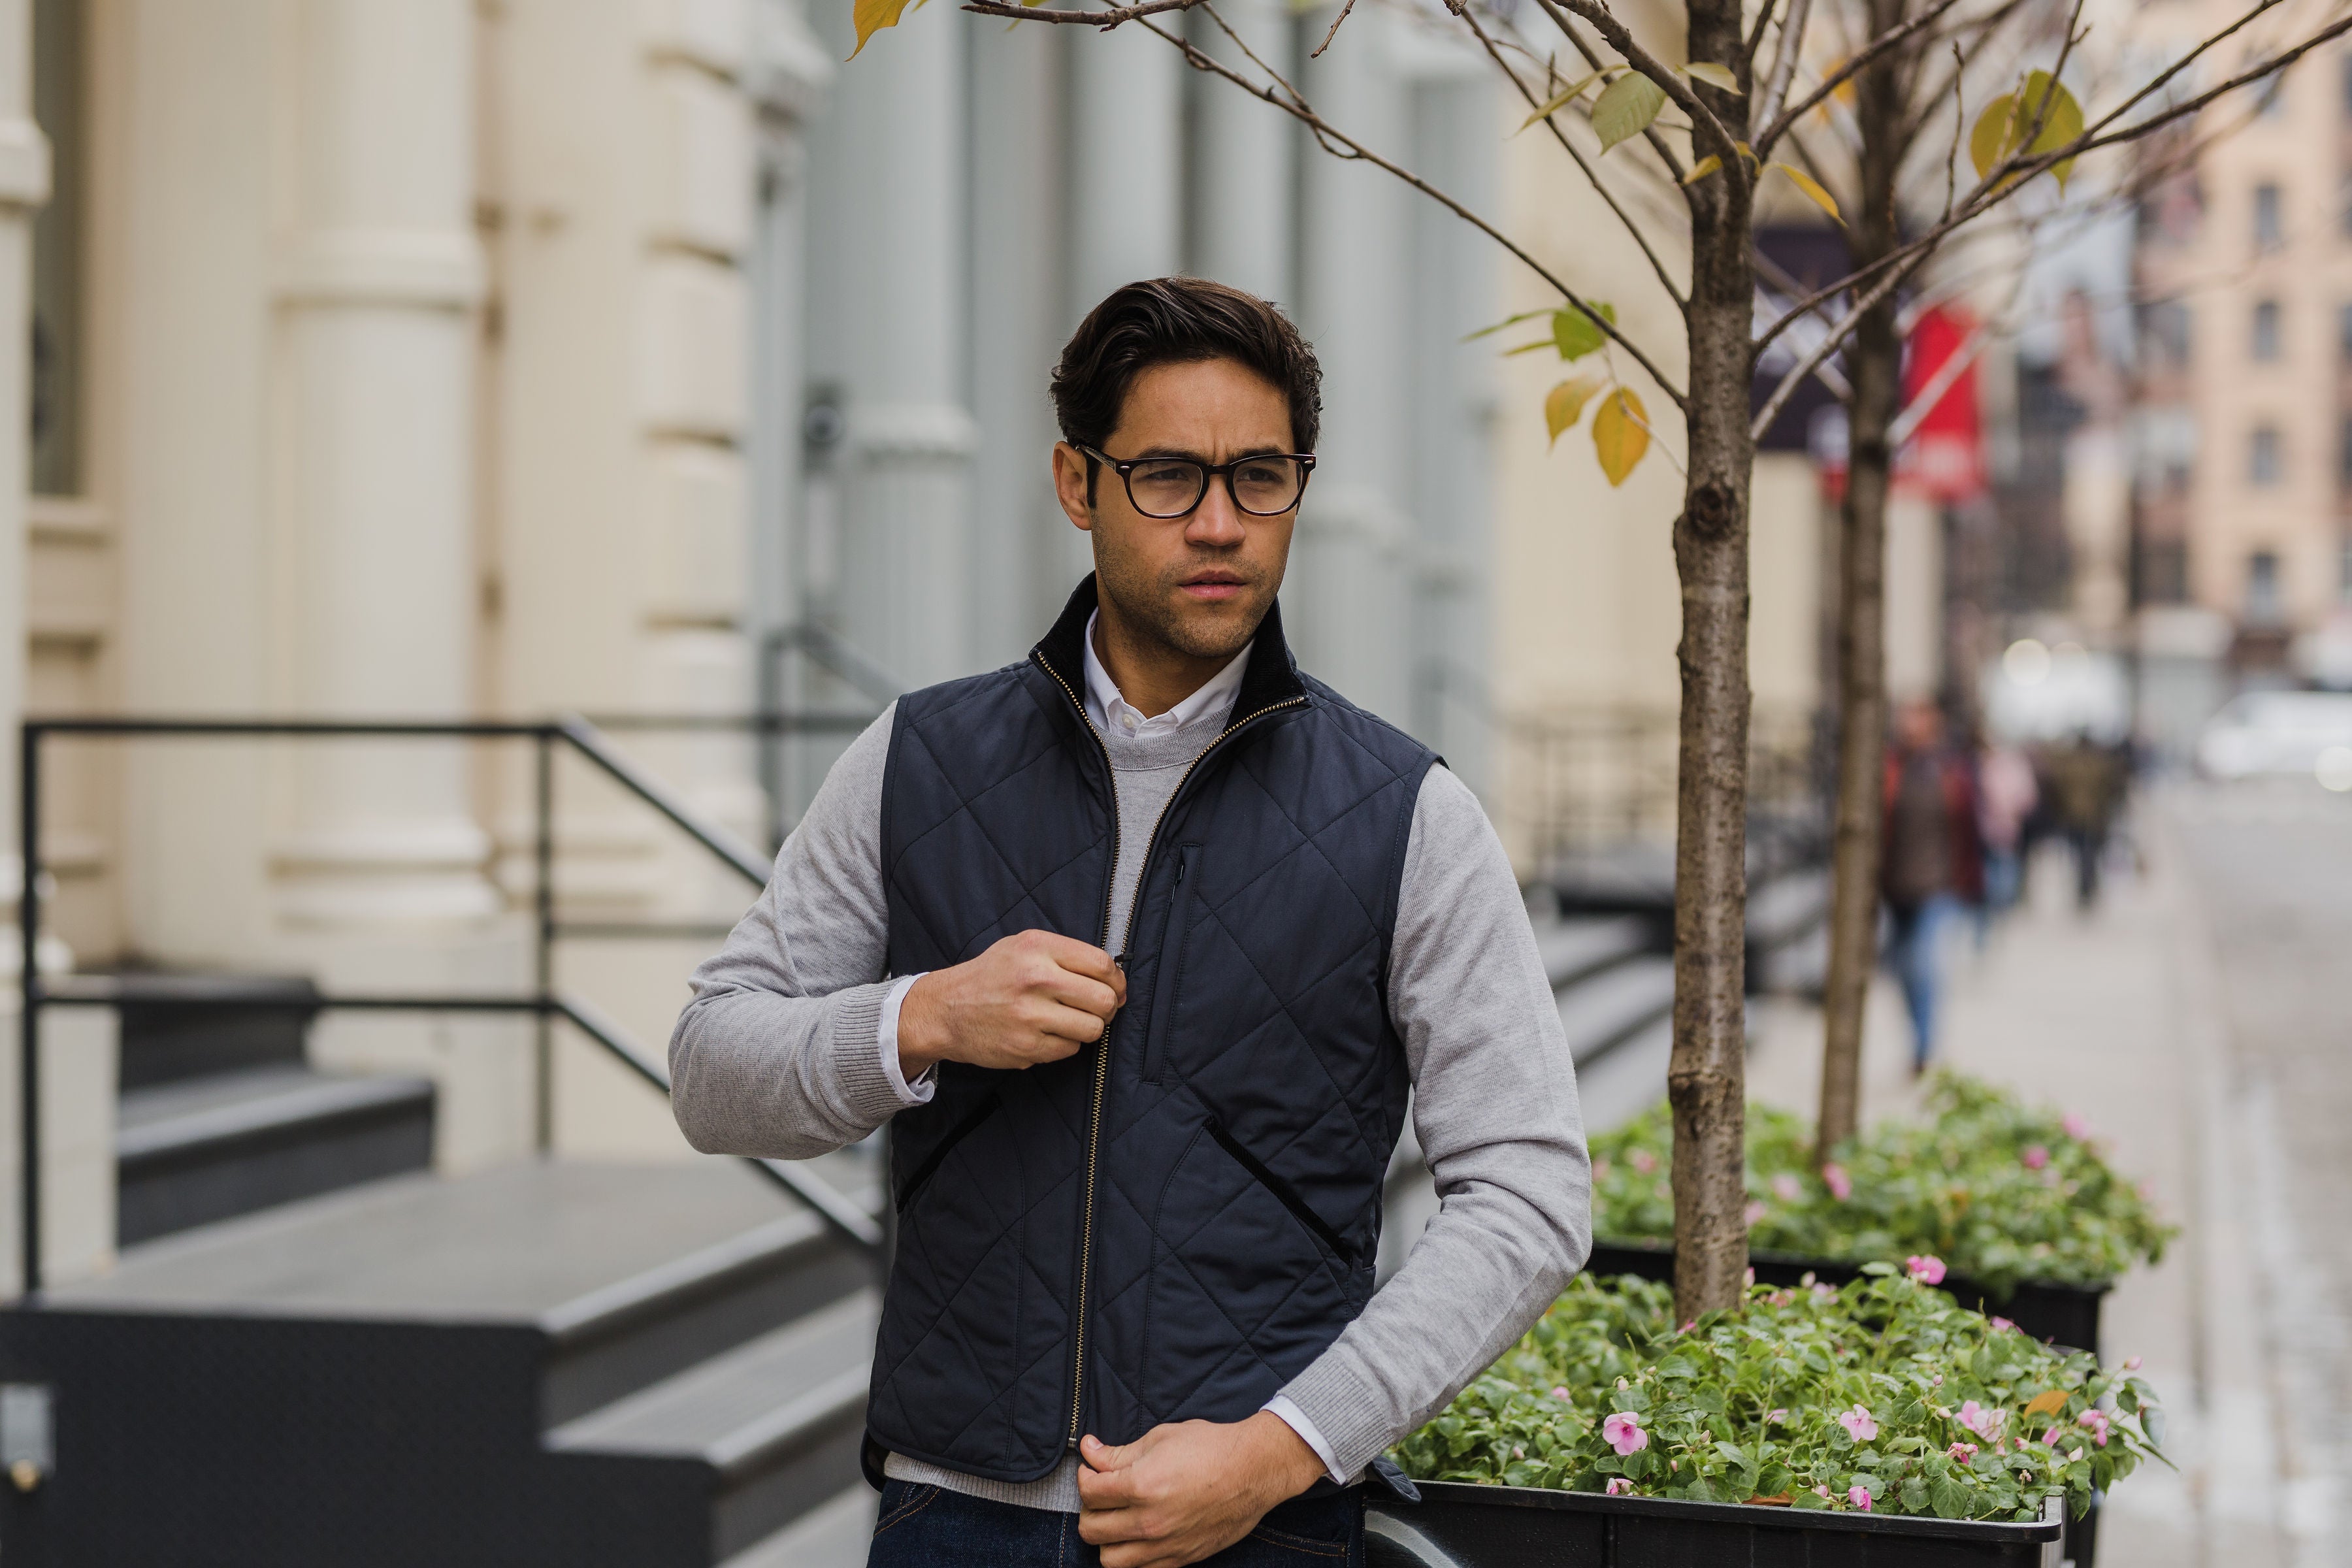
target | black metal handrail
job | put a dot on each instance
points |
(545, 1001)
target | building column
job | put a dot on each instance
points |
(376, 294)
(897, 198)
(1349, 586)
(1244, 189)
(24, 187)
(1126, 161)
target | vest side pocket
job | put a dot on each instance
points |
(1283, 1192)
(1173, 946)
(956, 1134)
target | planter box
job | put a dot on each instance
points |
(2067, 1315)
(1457, 1525)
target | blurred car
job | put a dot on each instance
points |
(2273, 733)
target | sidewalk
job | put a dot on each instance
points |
(2116, 1017)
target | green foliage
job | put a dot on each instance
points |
(1797, 1396)
(1625, 109)
(2000, 1192)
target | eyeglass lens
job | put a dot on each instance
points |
(1169, 487)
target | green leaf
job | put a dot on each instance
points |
(1576, 334)
(1812, 188)
(1621, 433)
(1949, 1498)
(1567, 95)
(1506, 321)
(1564, 404)
(1712, 74)
(873, 15)
(1626, 109)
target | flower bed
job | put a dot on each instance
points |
(2002, 1193)
(1880, 1397)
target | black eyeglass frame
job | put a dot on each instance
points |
(1209, 474)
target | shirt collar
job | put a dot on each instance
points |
(1113, 714)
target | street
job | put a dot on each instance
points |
(2197, 1020)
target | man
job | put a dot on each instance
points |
(1142, 943)
(1933, 860)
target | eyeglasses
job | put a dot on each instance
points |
(1267, 485)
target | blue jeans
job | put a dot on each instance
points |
(1918, 959)
(930, 1527)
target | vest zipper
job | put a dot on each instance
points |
(1102, 1055)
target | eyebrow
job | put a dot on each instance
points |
(1151, 452)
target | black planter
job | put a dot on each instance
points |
(2061, 1314)
(1456, 1525)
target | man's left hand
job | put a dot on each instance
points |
(1184, 1492)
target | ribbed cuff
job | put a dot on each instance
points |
(1296, 1419)
(1345, 1413)
(867, 1097)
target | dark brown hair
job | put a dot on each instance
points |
(1180, 321)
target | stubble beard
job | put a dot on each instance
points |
(1154, 607)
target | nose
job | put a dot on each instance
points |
(1216, 523)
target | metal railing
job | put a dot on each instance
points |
(545, 1001)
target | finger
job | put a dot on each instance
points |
(1073, 990)
(1102, 1458)
(1082, 958)
(1105, 1526)
(1070, 1024)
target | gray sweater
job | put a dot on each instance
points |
(781, 1054)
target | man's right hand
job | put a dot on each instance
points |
(1034, 997)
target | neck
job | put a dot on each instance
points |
(1151, 676)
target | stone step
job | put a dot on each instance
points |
(179, 1027)
(193, 1150)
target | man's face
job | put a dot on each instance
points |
(1198, 583)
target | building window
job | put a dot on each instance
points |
(2265, 607)
(2272, 101)
(2266, 330)
(2262, 456)
(2344, 333)
(2343, 571)
(2270, 223)
(2344, 454)
(2164, 325)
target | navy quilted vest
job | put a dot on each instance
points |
(1175, 1222)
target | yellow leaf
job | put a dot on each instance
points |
(1567, 96)
(873, 15)
(1702, 169)
(1746, 151)
(1564, 404)
(1988, 141)
(1714, 75)
(1626, 109)
(1621, 433)
(1812, 188)
(2000, 131)
(2049, 1402)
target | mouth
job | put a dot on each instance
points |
(1213, 586)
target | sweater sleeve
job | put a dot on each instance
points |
(1494, 1106)
(779, 1053)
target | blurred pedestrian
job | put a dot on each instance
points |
(1933, 859)
(2006, 796)
(2087, 782)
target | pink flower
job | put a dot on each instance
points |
(1600, 1170)
(1980, 1420)
(1823, 1292)
(1751, 1277)
(1925, 1268)
(2076, 1128)
(1963, 1452)
(1858, 1497)
(1687, 1328)
(1559, 1394)
(1785, 1188)
(1623, 1431)
(1779, 1298)
(1999, 1323)
(1618, 1486)
(1858, 1425)
(1772, 1416)
(2131, 1363)
(1823, 1490)
(2035, 1156)
(1841, 1186)
(2096, 1420)
(1642, 1159)
(2050, 1439)
(1755, 1212)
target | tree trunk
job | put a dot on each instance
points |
(1873, 368)
(1706, 1081)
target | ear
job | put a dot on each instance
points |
(1070, 467)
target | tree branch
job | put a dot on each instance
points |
(1756, 37)
(1612, 32)
(1665, 279)
(1104, 20)
(1885, 41)
(1650, 134)
(1344, 12)
(1282, 95)
(1784, 71)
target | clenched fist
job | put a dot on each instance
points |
(1034, 997)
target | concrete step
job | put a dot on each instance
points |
(1605, 1011)
(193, 1150)
(1576, 948)
(838, 1533)
(775, 1423)
(189, 1026)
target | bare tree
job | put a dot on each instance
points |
(1596, 87)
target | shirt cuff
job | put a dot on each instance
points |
(885, 1034)
(1296, 1419)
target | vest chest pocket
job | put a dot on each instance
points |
(1173, 946)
